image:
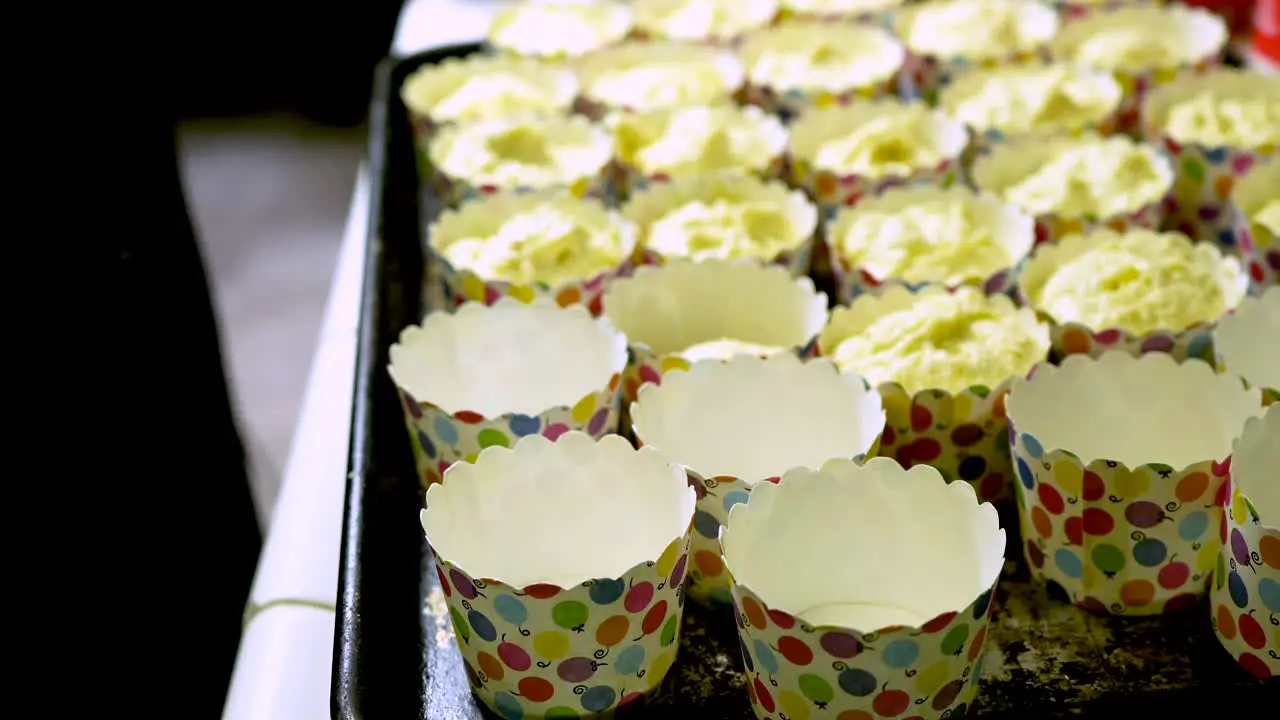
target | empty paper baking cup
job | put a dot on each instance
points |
(1018, 160)
(725, 217)
(684, 310)
(872, 12)
(878, 243)
(657, 146)
(1247, 343)
(1257, 223)
(946, 38)
(863, 592)
(1144, 46)
(563, 564)
(1121, 462)
(1191, 119)
(638, 75)
(881, 132)
(799, 64)
(519, 155)
(1081, 271)
(558, 29)
(544, 244)
(960, 431)
(735, 423)
(710, 21)
(489, 375)
(1245, 595)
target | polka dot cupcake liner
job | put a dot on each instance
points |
(632, 180)
(455, 192)
(860, 11)
(452, 414)
(634, 53)
(788, 104)
(1012, 229)
(1245, 595)
(1119, 493)
(664, 310)
(923, 77)
(789, 413)
(1073, 338)
(833, 191)
(963, 435)
(810, 645)
(1258, 245)
(1071, 11)
(566, 643)
(1246, 344)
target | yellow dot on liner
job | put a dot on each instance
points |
(523, 293)
(583, 410)
(551, 644)
(473, 288)
(961, 408)
(1207, 557)
(667, 562)
(673, 362)
(932, 677)
(1131, 483)
(897, 409)
(1091, 578)
(1239, 513)
(471, 458)
(659, 668)
(795, 706)
(1069, 476)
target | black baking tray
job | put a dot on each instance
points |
(395, 659)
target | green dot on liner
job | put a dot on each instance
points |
(490, 438)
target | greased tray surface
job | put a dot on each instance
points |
(394, 654)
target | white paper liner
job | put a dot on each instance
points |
(429, 85)
(549, 30)
(860, 633)
(1121, 464)
(1071, 337)
(534, 616)
(485, 216)
(734, 423)
(1245, 596)
(488, 375)
(1258, 245)
(1247, 343)
(722, 75)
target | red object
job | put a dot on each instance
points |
(1266, 30)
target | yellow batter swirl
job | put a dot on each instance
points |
(659, 74)
(977, 28)
(698, 140)
(527, 153)
(1227, 120)
(559, 28)
(488, 88)
(876, 139)
(1032, 99)
(1136, 39)
(702, 19)
(815, 56)
(1092, 178)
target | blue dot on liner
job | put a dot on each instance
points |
(630, 660)
(1027, 477)
(765, 656)
(706, 524)
(598, 698)
(1033, 446)
(980, 605)
(1215, 155)
(1201, 347)
(524, 425)
(737, 497)
(511, 609)
(1194, 525)
(605, 591)
(445, 430)
(1236, 588)
(1269, 590)
(1150, 552)
(1068, 563)
(900, 653)
(508, 706)
(1226, 238)
(482, 626)
(746, 657)
(428, 447)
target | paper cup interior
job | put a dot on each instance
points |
(1133, 410)
(1259, 187)
(864, 547)
(558, 512)
(1031, 25)
(610, 238)
(753, 418)
(1223, 83)
(522, 152)
(1011, 228)
(673, 73)
(437, 91)
(816, 127)
(1199, 34)
(1255, 465)
(681, 304)
(1248, 340)
(707, 19)
(511, 357)
(559, 28)
(698, 138)
(787, 56)
(1045, 261)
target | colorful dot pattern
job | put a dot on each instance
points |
(982, 143)
(1072, 11)
(550, 652)
(1052, 228)
(787, 104)
(462, 286)
(1269, 394)
(924, 76)
(881, 18)
(1245, 594)
(440, 438)
(1199, 206)
(852, 282)
(630, 180)
(832, 191)
(455, 192)
(1076, 339)
(1127, 541)
(806, 673)
(1136, 86)
(965, 435)
(1259, 250)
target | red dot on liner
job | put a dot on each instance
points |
(468, 416)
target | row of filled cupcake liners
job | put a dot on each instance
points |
(1131, 495)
